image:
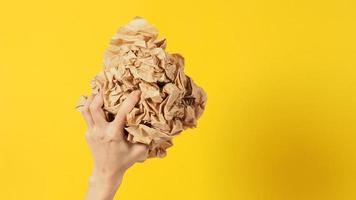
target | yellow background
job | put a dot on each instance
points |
(280, 122)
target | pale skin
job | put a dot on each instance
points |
(112, 154)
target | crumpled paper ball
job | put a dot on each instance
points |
(170, 101)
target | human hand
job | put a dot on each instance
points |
(112, 154)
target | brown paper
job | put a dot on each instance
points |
(170, 101)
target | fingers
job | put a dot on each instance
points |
(96, 110)
(125, 108)
(86, 113)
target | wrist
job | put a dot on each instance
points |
(106, 177)
(100, 191)
(104, 186)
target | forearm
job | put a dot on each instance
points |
(102, 189)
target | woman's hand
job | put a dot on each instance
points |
(112, 154)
